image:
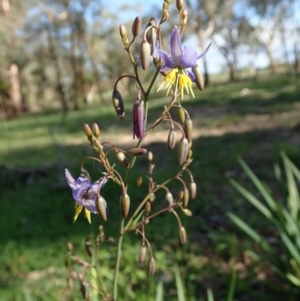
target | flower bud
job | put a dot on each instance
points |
(188, 129)
(150, 156)
(122, 159)
(136, 26)
(142, 253)
(139, 181)
(125, 204)
(118, 103)
(182, 235)
(145, 54)
(70, 247)
(180, 196)
(137, 151)
(96, 130)
(183, 150)
(148, 207)
(183, 18)
(138, 119)
(172, 139)
(181, 115)
(169, 198)
(193, 190)
(151, 266)
(152, 197)
(187, 212)
(198, 77)
(186, 197)
(87, 130)
(179, 5)
(122, 31)
(101, 207)
(88, 246)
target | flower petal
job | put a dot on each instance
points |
(167, 61)
(71, 181)
(189, 58)
(200, 55)
(175, 47)
(190, 74)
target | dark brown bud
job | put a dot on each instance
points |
(101, 207)
(151, 266)
(193, 190)
(142, 254)
(118, 103)
(88, 246)
(150, 156)
(188, 129)
(138, 118)
(125, 204)
(87, 130)
(186, 197)
(145, 54)
(83, 290)
(183, 150)
(179, 4)
(181, 115)
(96, 130)
(139, 181)
(172, 139)
(148, 207)
(182, 235)
(137, 151)
(122, 159)
(136, 26)
(198, 77)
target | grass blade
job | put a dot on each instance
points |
(232, 286)
(179, 284)
(210, 296)
(160, 291)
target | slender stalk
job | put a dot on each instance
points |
(118, 258)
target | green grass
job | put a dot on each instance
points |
(37, 209)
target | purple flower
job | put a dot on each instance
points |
(181, 59)
(85, 193)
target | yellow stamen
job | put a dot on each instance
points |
(88, 215)
(78, 209)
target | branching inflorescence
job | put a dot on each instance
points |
(179, 70)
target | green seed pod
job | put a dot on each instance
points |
(193, 190)
(181, 115)
(150, 156)
(96, 130)
(183, 150)
(142, 254)
(198, 77)
(125, 204)
(179, 5)
(186, 197)
(182, 235)
(137, 151)
(136, 26)
(152, 197)
(145, 54)
(88, 246)
(188, 129)
(139, 181)
(87, 130)
(118, 103)
(122, 159)
(172, 139)
(148, 207)
(101, 207)
(170, 199)
(151, 266)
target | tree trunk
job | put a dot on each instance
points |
(15, 89)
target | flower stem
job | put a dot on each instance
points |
(118, 258)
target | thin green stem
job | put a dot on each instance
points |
(118, 258)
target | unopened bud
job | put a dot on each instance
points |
(96, 130)
(125, 204)
(122, 159)
(148, 207)
(183, 149)
(101, 207)
(180, 195)
(181, 115)
(122, 30)
(142, 254)
(187, 212)
(88, 246)
(179, 5)
(172, 139)
(198, 77)
(188, 129)
(152, 197)
(170, 199)
(193, 190)
(136, 26)
(70, 246)
(138, 119)
(150, 156)
(183, 18)
(137, 151)
(151, 266)
(182, 235)
(87, 130)
(118, 103)
(145, 54)
(139, 181)
(186, 197)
